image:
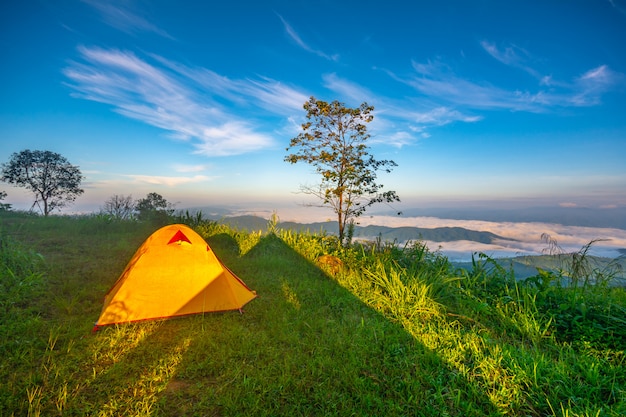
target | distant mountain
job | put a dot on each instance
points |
(439, 234)
(400, 234)
(567, 216)
(247, 223)
(523, 266)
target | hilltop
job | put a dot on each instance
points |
(393, 331)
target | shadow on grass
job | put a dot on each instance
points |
(307, 346)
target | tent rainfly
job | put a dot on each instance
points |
(173, 273)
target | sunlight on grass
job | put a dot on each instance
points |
(138, 396)
(112, 343)
(290, 295)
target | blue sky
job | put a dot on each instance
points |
(512, 103)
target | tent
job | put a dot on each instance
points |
(173, 273)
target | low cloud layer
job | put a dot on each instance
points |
(525, 238)
(519, 238)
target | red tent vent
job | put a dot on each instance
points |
(178, 237)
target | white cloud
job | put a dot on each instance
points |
(268, 93)
(274, 95)
(508, 56)
(168, 181)
(229, 139)
(437, 81)
(298, 40)
(401, 118)
(181, 101)
(619, 5)
(397, 139)
(513, 56)
(520, 238)
(351, 90)
(441, 85)
(122, 18)
(440, 116)
(190, 168)
(141, 182)
(590, 86)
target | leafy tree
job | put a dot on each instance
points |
(119, 207)
(54, 181)
(4, 206)
(154, 207)
(333, 141)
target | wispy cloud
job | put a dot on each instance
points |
(187, 102)
(120, 16)
(190, 168)
(584, 90)
(298, 40)
(168, 181)
(433, 79)
(443, 97)
(440, 116)
(390, 127)
(267, 93)
(438, 81)
(590, 86)
(139, 181)
(406, 120)
(513, 56)
(619, 5)
(352, 91)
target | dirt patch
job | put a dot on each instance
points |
(176, 385)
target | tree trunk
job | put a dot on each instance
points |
(340, 222)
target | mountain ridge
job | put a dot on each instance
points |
(400, 234)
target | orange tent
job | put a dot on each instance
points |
(173, 273)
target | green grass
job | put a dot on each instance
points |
(393, 331)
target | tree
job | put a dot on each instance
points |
(54, 181)
(153, 207)
(119, 207)
(4, 206)
(333, 141)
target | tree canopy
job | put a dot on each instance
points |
(154, 207)
(50, 176)
(4, 206)
(333, 141)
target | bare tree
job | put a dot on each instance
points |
(119, 207)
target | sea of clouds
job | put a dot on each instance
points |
(519, 238)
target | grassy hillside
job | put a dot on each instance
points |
(377, 331)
